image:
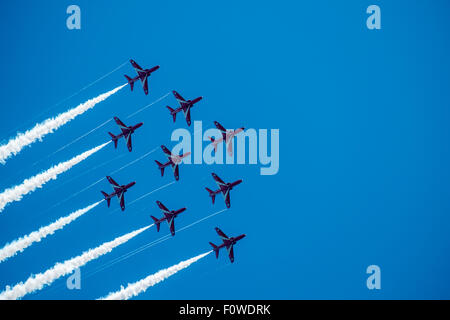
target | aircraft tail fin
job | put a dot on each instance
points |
(157, 223)
(130, 82)
(211, 194)
(107, 198)
(161, 167)
(113, 138)
(215, 248)
(173, 113)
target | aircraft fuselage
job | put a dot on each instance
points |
(188, 104)
(121, 189)
(231, 241)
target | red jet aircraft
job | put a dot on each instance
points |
(126, 133)
(185, 106)
(169, 216)
(119, 191)
(174, 161)
(227, 137)
(143, 75)
(227, 243)
(224, 188)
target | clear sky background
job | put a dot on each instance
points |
(363, 118)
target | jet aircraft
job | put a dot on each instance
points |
(119, 191)
(227, 243)
(224, 188)
(126, 133)
(185, 106)
(142, 74)
(169, 216)
(227, 137)
(174, 161)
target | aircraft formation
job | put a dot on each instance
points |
(174, 161)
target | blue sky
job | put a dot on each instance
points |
(364, 151)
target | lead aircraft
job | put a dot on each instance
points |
(142, 74)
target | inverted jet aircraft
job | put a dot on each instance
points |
(185, 106)
(224, 188)
(119, 191)
(143, 75)
(126, 133)
(169, 216)
(174, 161)
(227, 137)
(227, 243)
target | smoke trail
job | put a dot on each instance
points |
(15, 145)
(21, 244)
(29, 185)
(98, 127)
(103, 178)
(38, 281)
(134, 289)
(147, 246)
(148, 106)
(66, 98)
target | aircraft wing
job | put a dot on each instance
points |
(120, 123)
(129, 144)
(166, 151)
(219, 126)
(112, 182)
(188, 116)
(219, 181)
(227, 199)
(230, 148)
(162, 207)
(231, 253)
(172, 225)
(121, 200)
(178, 96)
(176, 172)
(222, 129)
(221, 234)
(136, 66)
(145, 84)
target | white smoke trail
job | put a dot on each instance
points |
(134, 289)
(147, 246)
(19, 245)
(15, 145)
(29, 185)
(38, 281)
